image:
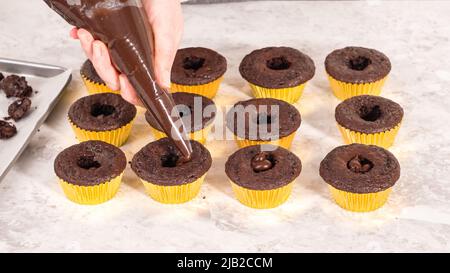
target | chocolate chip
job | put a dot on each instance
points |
(7, 130)
(18, 109)
(16, 86)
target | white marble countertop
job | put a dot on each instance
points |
(35, 215)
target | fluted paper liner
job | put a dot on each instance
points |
(116, 137)
(384, 139)
(97, 88)
(174, 194)
(262, 199)
(91, 195)
(290, 95)
(208, 90)
(360, 202)
(343, 90)
(285, 142)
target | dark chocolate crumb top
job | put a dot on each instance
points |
(256, 168)
(197, 66)
(357, 65)
(159, 163)
(359, 168)
(90, 163)
(253, 119)
(277, 67)
(88, 71)
(369, 114)
(102, 112)
(206, 111)
(16, 86)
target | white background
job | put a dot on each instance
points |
(35, 216)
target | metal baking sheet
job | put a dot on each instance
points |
(49, 81)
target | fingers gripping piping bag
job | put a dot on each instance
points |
(124, 27)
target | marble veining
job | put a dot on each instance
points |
(35, 216)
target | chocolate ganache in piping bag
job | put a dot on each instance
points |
(124, 27)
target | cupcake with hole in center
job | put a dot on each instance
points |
(92, 80)
(369, 120)
(361, 177)
(106, 117)
(90, 172)
(277, 72)
(196, 112)
(199, 71)
(167, 178)
(354, 71)
(264, 121)
(262, 176)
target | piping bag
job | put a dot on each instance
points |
(124, 27)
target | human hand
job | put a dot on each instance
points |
(166, 20)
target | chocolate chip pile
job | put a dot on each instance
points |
(14, 86)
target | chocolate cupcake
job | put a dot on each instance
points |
(92, 80)
(355, 71)
(198, 70)
(361, 177)
(167, 178)
(277, 72)
(197, 125)
(106, 117)
(369, 120)
(264, 121)
(263, 176)
(90, 172)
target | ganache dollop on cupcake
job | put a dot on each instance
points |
(166, 177)
(194, 119)
(252, 122)
(360, 176)
(107, 114)
(198, 70)
(357, 71)
(90, 172)
(262, 176)
(277, 72)
(369, 120)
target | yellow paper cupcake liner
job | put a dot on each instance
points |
(383, 139)
(91, 195)
(262, 199)
(343, 90)
(285, 142)
(208, 90)
(358, 202)
(116, 137)
(290, 95)
(174, 194)
(97, 88)
(200, 136)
